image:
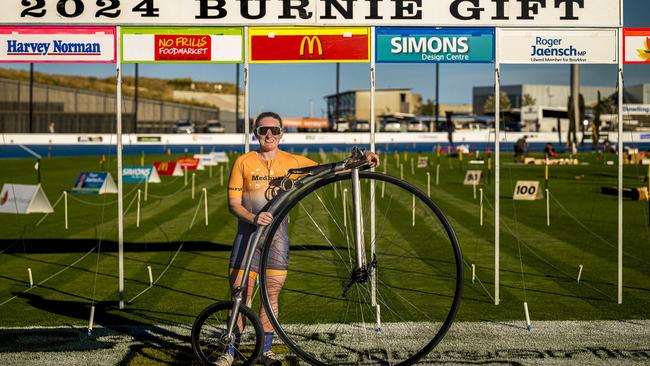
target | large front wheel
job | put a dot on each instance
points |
(395, 309)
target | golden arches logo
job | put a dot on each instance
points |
(311, 42)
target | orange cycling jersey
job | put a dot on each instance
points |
(250, 179)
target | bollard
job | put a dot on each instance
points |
(65, 208)
(193, 184)
(205, 203)
(345, 217)
(137, 215)
(428, 184)
(413, 211)
(91, 320)
(150, 276)
(528, 324)
(31, 279)
(579, 273)
(481, 204)
(438, 174)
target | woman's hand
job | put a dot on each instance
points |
(263, 219)
(373, 159)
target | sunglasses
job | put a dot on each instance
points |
(263, 130)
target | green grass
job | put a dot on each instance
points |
(549, 256)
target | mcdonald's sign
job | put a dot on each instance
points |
(309, 44)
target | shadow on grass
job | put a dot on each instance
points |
(47, 246)
(146, 343)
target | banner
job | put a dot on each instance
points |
(435, 45)
(168, 169)
(24, 199)
(94, 183)
(199, 45)
(520, 13)
(636, 45)
(140, 174)
(557, 46)
(57, 44)
(309, 44)
(189, 163)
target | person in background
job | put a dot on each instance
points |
(521, 148)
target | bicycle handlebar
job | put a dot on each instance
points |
(356, 160)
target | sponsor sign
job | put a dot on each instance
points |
(168, 169)
(149, 138)
(309, 44)
(643, 109)
(24, 199)
(189, 163)
(207, 159)
(86, 139)
(140, 174)
(542, 13)
(636, 45)
(526, 190)
(473, 177)
(94, 183)
(557, 46)
(57, 44)
(220, 156)
(198, 45)
(435, 45)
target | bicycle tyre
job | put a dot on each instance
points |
(282, 213)
(198, 344)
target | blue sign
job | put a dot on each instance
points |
(136, 174)
(90, 182)
(434, 45)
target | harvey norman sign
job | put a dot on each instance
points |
(57, 44)
(541, 13)
(435, 45)
(557, 46)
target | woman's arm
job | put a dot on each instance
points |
(236, 208)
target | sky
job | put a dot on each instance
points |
(295, 90)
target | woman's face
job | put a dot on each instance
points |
(268, 141)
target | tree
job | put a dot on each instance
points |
(603, 106)
(428, 108)
(504, 103)
(572, 139)
(528, 100)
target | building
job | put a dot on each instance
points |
(226, 103)
(354, 105)
(546, 95)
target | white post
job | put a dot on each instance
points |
(345, 216)
(398, 159)
(31, 279)
(336, 190)
(474, 189)
(528, 324)
(497, 174)
(65, 209)
(146, 189)
(247, 131)
(150, 276)
(91, 320)
(413, 210)
(137, 215)
(185, 176)
(428, 184)
(481, 207)
(205, 203)
(473, 273)
(579, 273)
(383, 189)
(412, 167)
(401, 171)
(619, 150)
(548, 208)
(221, 175)
(438, 174)
(193, 184)
(120, 187)
(210, 171)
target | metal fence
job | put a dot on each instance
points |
(67, 110)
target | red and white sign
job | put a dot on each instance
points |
(168, 169)
(188, 163)
(305, 44)
(636, 45)
(57, 44)
(210, 44)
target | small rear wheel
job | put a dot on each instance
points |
(210, 341)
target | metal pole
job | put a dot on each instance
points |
(373, 230)
(497, 175)
(619, 150)
(237, 97)
(437, 96)
(120, 187)
(135, 107)
(246, 95)
(336, 102)
(31, 97)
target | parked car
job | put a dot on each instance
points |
(361, 126)
(415, 125)
(214, 126)
(391, 125)
(184, 126)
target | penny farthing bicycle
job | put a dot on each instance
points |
(375, 273)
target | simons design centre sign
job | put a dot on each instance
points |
(435, 45)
